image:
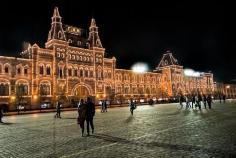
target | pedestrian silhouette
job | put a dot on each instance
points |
(90, 112)
(82, 115)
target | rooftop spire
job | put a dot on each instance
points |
(93, 23)
(93, 35)
(56, 31)
(56, 12)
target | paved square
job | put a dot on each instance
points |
(154, 131)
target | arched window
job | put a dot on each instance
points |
(60, 72)
(69, 72)
(41, 69)
(4, 89)
(70, 41)
(6, 69)
(86, 73)
(60, 35)
(79, 43)
(25, 70)
(91, 73)
(81, 73)
(21, 89)
(45, 89)
(75, 72)
(18, 70)
(48, 70)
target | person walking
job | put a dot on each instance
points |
(58, 109)
(82, 115)
(224, 98)
(209, 101)
(132, 106)
(1, 114)
(204, 100)
(105, 106)
(102, 106)
(90, 112)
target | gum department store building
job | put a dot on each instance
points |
(73, 66)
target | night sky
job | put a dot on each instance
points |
(201, 35)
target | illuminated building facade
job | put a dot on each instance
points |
(73, 66)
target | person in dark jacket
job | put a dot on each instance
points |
(1, 114)
(90, 112)
(82, 115)
(209, 101)
(58, 109)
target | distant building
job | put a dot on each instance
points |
(73, 66)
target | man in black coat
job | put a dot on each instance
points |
(1, 114)
(90, 112)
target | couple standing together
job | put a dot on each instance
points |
(86, 113)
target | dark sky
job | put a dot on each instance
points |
(201, 35)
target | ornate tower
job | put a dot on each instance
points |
(94, 40)
(56, 32)
(172, 75)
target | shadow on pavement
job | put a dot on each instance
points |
(129, 119)
(184, 147)
(6, 123)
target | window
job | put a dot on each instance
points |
(18, 70)
(91, 73)
(60, 72)
(86, 73)
(6, 70)
(25, 71)
(0, 69)
(4, 89)
(21, 89)
(81, 73)
(45, 89)
(60, 35)
(70, 72)
(48, 70)
(75, 72)
(70, 41)
(41, 70)
(79, 43)
(58, 54)
(73, 57)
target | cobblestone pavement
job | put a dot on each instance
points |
(153, 131)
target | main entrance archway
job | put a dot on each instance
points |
(81, 92)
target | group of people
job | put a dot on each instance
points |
(196, 101)
(103, 106)
(86, 112)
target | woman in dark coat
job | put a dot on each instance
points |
(82, 115)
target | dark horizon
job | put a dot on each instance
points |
(200, 35)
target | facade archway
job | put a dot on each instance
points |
(81, 91)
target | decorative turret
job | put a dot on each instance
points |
(56, 31)
(167, 60)
(94, 40)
